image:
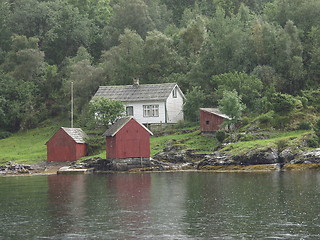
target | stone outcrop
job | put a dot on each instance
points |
(15, 168)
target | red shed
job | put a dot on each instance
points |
(68, 144)
(127, 138)
(211, 119)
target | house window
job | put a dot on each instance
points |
(129, 110)
(207, 122)
(151, 110)
(174, 93)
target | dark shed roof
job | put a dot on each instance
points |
(116, 127)
(76, 134)
(130, 93)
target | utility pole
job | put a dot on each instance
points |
(71, 104)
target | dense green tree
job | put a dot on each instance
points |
(231, 105)
(105, 111)
(84, 75)
(160, 58)
(133, 15)
(5, 32)
(195, 99)
(282, 103)
(226, 49)
(122, 63)
(249, 87)
(18, 108)
(24, 61)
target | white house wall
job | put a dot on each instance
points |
(138, 112)
(174, 108)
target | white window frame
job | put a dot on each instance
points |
(151, 110)
(175, 93)
(127, 112)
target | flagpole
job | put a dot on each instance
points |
(71, 104)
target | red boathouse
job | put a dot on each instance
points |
(127, 138)
(67, 144)
(211, 119)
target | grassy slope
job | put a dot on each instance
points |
(26, 146)
(289, 138)
(29, 146)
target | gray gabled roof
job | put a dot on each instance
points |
(116, 127)
(135, 93)
(76, 134)
(216, 111)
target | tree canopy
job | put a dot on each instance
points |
(258, 48)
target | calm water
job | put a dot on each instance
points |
(184, 205)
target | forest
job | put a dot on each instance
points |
(263, 53)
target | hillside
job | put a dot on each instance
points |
(29, 146)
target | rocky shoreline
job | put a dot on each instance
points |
(173, 159)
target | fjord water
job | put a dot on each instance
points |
(180, 205)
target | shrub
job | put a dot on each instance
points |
(221, 135)
(280, 122)
(304, 126)
(282, 103)
(313, 141)
(247, 137)
(316, 128)
(95, 145)
(282, 144)
(4, 134)
(266, 119)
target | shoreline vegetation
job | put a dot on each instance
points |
(175, 148)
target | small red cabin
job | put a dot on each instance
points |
(127, 138)
(211, 119)
(68, 144)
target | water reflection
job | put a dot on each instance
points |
(162, 206)
(66, 203)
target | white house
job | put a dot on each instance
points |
(148, 103)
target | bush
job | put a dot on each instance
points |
(266, 119)
(304, 126)
(4, 134)
(95, 145)
(247, 137)
(280, 122)
(282, 103)
(313, 141)
(282, 144)
(221, 135)
(316, 128)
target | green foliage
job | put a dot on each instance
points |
(281, 144)
(266, 118)
(105, 111)
(4, 134)
(304, 126)
(312, 96)
(17, 103)
(95, 144)
(195, 99)
(316, 129)
(280, 121)
(282, 103)
(313, 141)
(259, 48)
(231, 105)
(221, 135)
(248, 86)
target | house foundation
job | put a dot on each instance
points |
(129, 163)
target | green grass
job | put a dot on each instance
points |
(26, 146)
(190, 140)
(242, 147)
(29, 146)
